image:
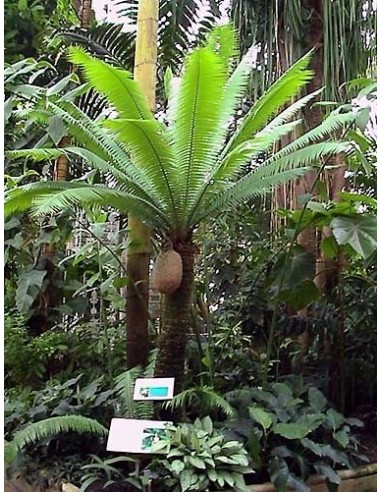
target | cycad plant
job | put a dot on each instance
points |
(179, 172)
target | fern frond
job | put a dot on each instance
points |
(197, 132)
(117, 85)
(205, 396)
(282, 91)
(51, 427)
(124, 386)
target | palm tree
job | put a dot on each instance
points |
(177, 174)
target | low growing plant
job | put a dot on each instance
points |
(292, 433)
(201, 459)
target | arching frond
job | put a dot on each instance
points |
(149, 149)
(51, 427)
(325, 130)
(197, 131)
(116, 84)
(282, 91)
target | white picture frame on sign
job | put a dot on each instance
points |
(136, 436)
(154, 388)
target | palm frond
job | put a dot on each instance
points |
(124, 386)
(205, 397)
(197, 132)
(149, 149)
(282, 91)
(115, 84)
(325, 130)
(51, 427)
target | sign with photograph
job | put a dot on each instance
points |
(136, 436)
(154, 388)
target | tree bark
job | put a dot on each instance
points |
(139, 245)
(177, 321)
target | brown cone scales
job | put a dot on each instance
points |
(167, 272)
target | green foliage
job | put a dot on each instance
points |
(200, 400)
(124, 387)
(291, 431)
(162, 176)
(110, 469)
(39, 351)
(50, 428)
(200, 458)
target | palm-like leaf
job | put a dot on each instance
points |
(49, 428)
(172, 176)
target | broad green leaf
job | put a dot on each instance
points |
(26, 281)
(261, 416)
(316, 399)
(336, 419)
(329, 247)
(359, 231)
(342, 438)
(291, 430)
(328, 471)
(301, 296)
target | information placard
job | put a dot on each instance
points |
(154, 388)
(136, 436)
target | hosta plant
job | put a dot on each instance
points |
(185, 169)
(201, 459)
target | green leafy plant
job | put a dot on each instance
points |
(109, 471)
(292, 432)
(51, 427)
(201, 459)
(175, 175)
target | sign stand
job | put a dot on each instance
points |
(139, 436)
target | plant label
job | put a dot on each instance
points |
(137, 436)
(154, 388)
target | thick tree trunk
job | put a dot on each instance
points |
(139, 247)
(177, 321)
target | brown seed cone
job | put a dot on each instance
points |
(167, 272)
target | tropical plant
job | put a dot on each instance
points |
(177, 175)
(290, 431)
(51, 427)
(199, 458)
(99, 469)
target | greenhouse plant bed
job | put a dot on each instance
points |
(361, 479)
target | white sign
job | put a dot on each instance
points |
(136, 436)
(154, 388)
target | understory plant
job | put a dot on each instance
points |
(200, 458)
(291, 432)
(184, 170)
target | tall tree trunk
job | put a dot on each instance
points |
(139, 246)
(177, 320)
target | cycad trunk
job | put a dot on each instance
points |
(139, 249)
(176, 321)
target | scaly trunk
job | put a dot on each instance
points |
(177, 320)
(139, 246)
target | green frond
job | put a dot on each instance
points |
(307, 156)
(102, 143)
(247, 188)
(124, 386)
(291, 110)
(229, 167)
(149, 150)
(101, 196)
(117, 85)
(35, 154)
(282, 91)
(197, 131)
(205, 397)
(247, 150)
(223, 40)
(51, 427)
(325, 130)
